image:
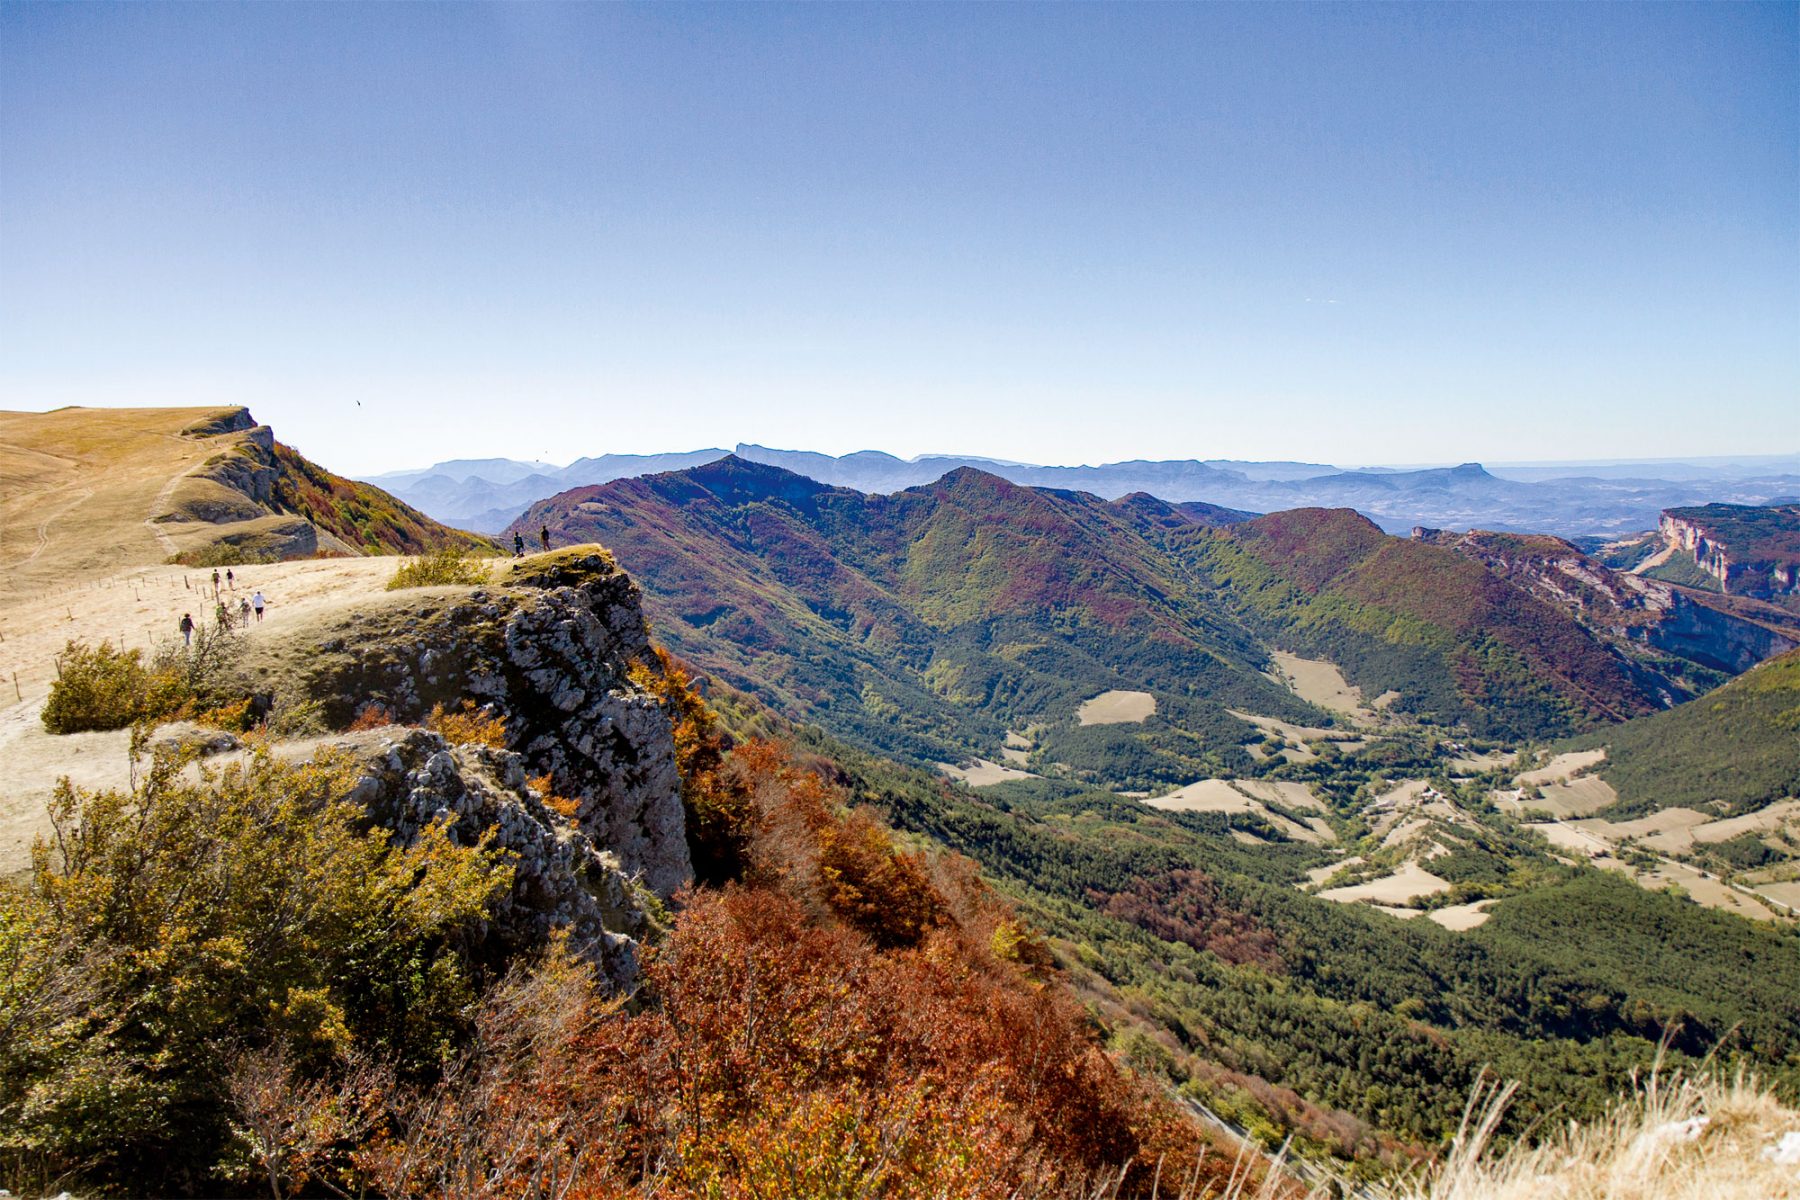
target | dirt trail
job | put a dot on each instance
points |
(139, 609)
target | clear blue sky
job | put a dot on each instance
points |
(1057, 233)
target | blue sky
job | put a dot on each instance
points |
(1062, 233)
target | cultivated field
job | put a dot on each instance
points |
(1117, 708)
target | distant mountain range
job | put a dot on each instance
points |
(1590, 501)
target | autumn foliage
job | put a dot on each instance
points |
(717, 804)
(835, 1024)
(835, 1015)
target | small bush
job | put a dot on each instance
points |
(468, 726)
(452, 565)
(545, 786)
(248, 907)
(371, 716)
(97, 687)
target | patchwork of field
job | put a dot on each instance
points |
(1299, 735)
(1117, 708)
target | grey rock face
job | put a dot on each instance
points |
(561, 879)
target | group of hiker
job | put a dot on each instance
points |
(222, 610)
(519, 541)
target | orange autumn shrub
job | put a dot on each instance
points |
(468, 725)
(717, 807)
(371, 716)
(563, 806)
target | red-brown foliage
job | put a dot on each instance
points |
(1185, 906)
(838, 1025)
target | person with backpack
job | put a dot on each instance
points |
(518, 545)
(187, 629)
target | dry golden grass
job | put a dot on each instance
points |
(1677, 1138)
(78, 486)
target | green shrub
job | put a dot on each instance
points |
(249, 907)
(96, 687)
(99, 687)
(450, 565)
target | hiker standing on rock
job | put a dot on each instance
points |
(518, 545)
(544, 536)
(187, 629)
(257, 602)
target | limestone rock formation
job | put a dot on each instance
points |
(1635, 612)
(1751, 551)
(561, 879)
(550, 651)
(267, 502)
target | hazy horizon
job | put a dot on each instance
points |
(1499, 464)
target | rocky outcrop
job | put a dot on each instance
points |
(1638, 614)
(562, 880)
(1751, 551)
(269, 503)
(550, 652)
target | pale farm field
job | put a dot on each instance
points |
(1286, 794)
(1570, 798)
(1459, 917)
(1117, 708)
(979, 772)
(1562, 767)
(1318, 681)
(1409, 883)
(1221, 796)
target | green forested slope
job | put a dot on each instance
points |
(1458, 643)
(1263, 988)
(1738, 746)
